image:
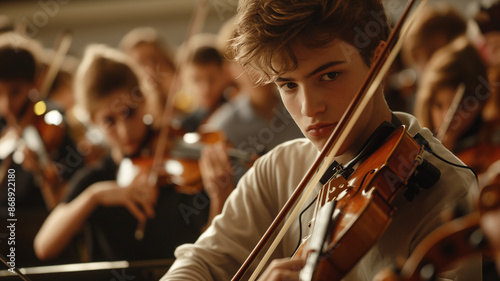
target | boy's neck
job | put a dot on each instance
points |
(381, 113)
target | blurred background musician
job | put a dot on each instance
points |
(459, 63)
(440, 24)
(204, 78)
(44, 156)
(145, 47)
(109, 87)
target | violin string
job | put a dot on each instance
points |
(322, 200)
(317, 207)
(344, 132)
(300, 225)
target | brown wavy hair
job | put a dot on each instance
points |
(267, 30)
(104, 70)
(458, 62)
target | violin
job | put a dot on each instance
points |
(484, 153)
(43, 132)
(362, 209)
(179, 166)
(164, 144)
(451, 243)
(480, 157)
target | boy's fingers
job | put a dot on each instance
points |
(135, 211)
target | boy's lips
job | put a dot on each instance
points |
(321, 129)
(130, 144)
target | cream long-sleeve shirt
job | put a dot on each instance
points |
(261, 193)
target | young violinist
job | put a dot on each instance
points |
(312, 52)
(42, 168)
(463, 127)
(20, 73)
(144, 46)
(109, 87)
(204, 77)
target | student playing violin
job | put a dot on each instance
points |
(144, 46)
(44, 156)
(204, 77)
(312, 52)
(108, 87)
(463, 127)
(48, 168)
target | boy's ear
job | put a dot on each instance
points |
(379, 49)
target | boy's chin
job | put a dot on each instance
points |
(130, 150)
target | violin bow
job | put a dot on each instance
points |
(451, 112)
(62, 46)
(195, 25)
(373, 80)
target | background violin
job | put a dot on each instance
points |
(453, 242)
(179, 166)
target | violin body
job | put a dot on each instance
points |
(49, 127)
(480, 157)
(51, 134)
(179, 167)
(364, 204)
(451, 243)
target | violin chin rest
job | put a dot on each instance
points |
(426, 175)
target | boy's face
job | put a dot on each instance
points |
(120, 117)
(319, 91)
(205, 82)
(13, 96)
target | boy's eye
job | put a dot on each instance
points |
(108, 122)
(288, 86)
(129, 112)
(330, 76)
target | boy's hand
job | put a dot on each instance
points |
(139, 198)
(30, 162)
(216, 172)
(283, 269)
(490, 222)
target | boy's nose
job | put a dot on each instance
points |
(312, 103)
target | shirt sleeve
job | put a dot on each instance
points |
(225, 245)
